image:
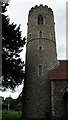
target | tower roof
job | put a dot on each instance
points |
(61, 72)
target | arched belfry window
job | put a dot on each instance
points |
(40, 19)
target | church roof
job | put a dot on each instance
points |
(61, 72)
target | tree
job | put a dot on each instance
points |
(12, 45)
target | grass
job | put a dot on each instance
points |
(11, 115)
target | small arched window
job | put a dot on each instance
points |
(40, 19)
(40, 34)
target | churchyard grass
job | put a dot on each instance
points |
(11, 115)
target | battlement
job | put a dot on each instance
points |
(40, 7)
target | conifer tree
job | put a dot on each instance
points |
(12, 45)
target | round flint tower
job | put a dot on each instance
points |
(40, 56)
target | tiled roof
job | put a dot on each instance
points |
(61, 72)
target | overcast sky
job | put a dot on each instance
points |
(18, 13)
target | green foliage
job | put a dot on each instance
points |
(11, 115)
(12, 45)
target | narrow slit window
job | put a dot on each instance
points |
(40, 19)
(30, 35)
(40, 50)
(40, 69)
(40, 34)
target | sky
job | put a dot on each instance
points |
(18, 13)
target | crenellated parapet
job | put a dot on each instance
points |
(40, 7)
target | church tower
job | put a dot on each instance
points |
(40, 58)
